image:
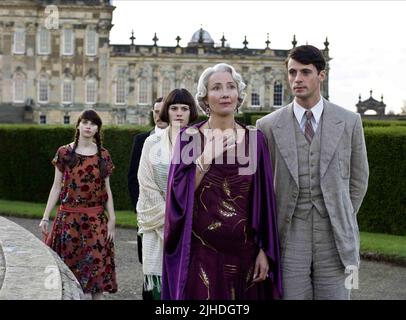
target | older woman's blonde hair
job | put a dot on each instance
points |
(201, 94)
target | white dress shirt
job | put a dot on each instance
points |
(299, 112)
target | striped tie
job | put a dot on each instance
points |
(309, 132)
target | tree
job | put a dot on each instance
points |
(403, 109)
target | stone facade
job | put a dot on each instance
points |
(55, 61)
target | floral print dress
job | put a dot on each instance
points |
(79, 231)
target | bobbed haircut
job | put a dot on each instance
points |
(202, 85)
(307, 54)
(179, 96)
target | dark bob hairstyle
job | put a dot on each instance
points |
(179, 96)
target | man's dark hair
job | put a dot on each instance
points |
(179, 96)
(158, 100)
(307, 54)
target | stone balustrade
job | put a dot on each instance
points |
(30, 270)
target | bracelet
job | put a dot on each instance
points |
(47, 220)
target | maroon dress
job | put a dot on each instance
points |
(79, 231)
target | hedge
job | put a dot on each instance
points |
(26, 173)
(383, 123)
(384, 206)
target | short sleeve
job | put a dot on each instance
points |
(109, 163)
(58, 160)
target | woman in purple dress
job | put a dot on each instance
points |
(221, 240)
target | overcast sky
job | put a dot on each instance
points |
(367, 38)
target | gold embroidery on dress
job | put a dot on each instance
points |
(249, 278)
(214, 225)
(226, 209)
(226, 214)
(205, 280)
(203, 242)
(226, 188)
(233, 199)
(235, 226)
(201, 194)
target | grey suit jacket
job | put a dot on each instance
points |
(344, 172)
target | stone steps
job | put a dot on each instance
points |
(30, 270)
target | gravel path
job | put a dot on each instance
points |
(377, 280)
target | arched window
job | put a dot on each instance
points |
(91, 91)
(143, 91)
(278, 94)
(19, 87)
(166, 87)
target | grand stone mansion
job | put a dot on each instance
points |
(56, 60)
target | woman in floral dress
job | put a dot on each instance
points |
(82, 235)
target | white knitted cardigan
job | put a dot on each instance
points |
(153, 178)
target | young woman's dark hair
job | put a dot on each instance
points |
(307, 54)
(92, 116)
(179, 96)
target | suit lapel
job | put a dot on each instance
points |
(332, 130)
(285, 140)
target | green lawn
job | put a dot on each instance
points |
(382, 245)
(124, 219)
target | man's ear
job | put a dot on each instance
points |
(322, 75)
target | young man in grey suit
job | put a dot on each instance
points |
(321, 173)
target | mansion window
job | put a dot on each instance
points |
(91, 91)
(143, 92)
(67, 91)
(19, 41)
(190, 85)
(278, 94)
(68, 42)
(19, 88)
(43, 91)
(44, 41)
(42, 119)
(166, 87)
(255, 99)
(66, 119)
(121, 87)
(91, 42)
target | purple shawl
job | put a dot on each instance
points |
(179, 214)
